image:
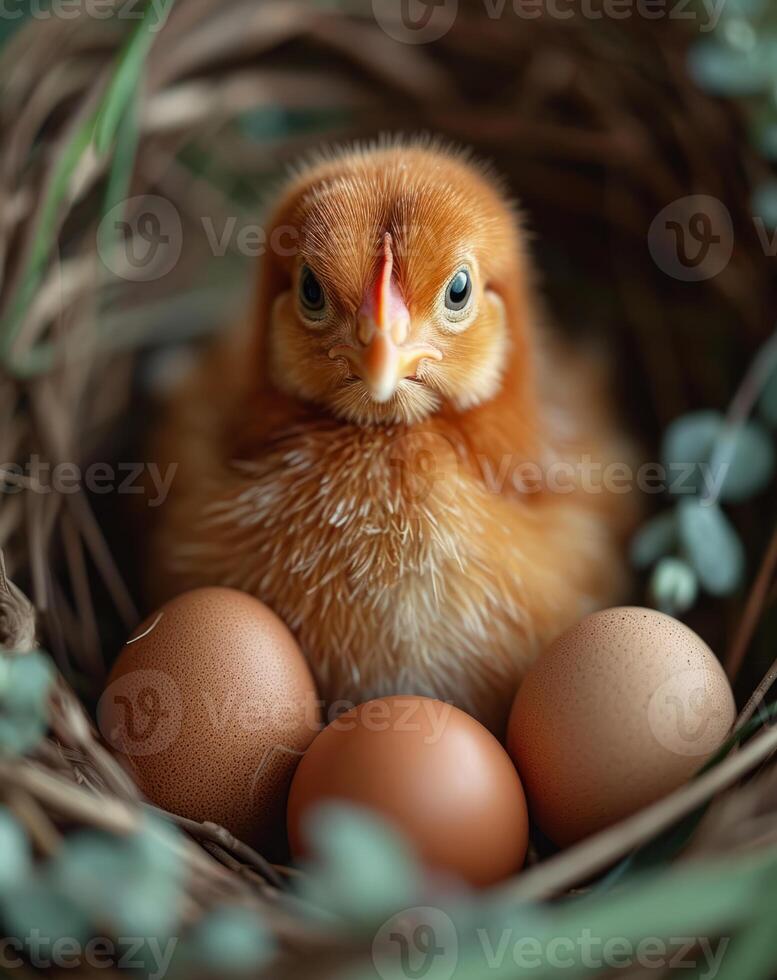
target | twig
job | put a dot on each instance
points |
(216, 834)
(598, 852)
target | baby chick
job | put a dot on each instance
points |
(371, 452)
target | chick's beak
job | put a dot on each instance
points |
(383, 357)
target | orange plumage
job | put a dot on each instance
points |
(362, 453)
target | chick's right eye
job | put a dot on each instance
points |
(311, 292)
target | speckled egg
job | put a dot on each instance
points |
(211, 705)
(432, 771)
(619, 711)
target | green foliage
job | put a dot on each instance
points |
(654, 540)
(134, 883)
(712, 545)
(746, 463)
(127, 73)
(98, 131)
(14, 851)
(362, 870)
(229, 940)
(38, 904)
(25, 683)
(673, 586)
(130, 885)
(709, 460)
(740, 61)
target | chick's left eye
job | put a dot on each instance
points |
(311, 292)
(458, 291)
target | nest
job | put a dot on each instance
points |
(596, 126)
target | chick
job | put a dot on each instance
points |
(369, 452)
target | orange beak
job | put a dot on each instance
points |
(383, 356)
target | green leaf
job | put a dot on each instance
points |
(753, 953)
(362, 870)
(711, 545)
(725, 70)
(768, 403)
(747, 465)
(695, 899)
(673, 586)
(126, 77)
(689, 441)
(751, 462)
(64, 169)
(36, 904)
(99, 129)
(14, 851)
(654, 540)
(156, 846)
(120, 175)
(21, 732)
(104, 875)
(31, 677)
(231, 940)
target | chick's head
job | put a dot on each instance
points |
(393, 285)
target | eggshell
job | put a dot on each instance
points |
(211, 705)
(620, 710)
(430, 769)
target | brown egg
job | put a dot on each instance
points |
(211, 705)
(430, 769)
(620, 710)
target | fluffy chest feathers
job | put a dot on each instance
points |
(393, 563)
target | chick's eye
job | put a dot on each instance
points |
(458, 291)
(311, 293)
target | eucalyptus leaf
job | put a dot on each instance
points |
(689, 900)
(751, 463)
(688, 442)
(752, 954)
(362, 870)
(654, 540)
(20, 732)
(689, 448)
(30, 681)
(711, 545)
(673, 586)
(14, 851)
(723, 70)
(230, 940)
(37, 907)
(109, 882)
